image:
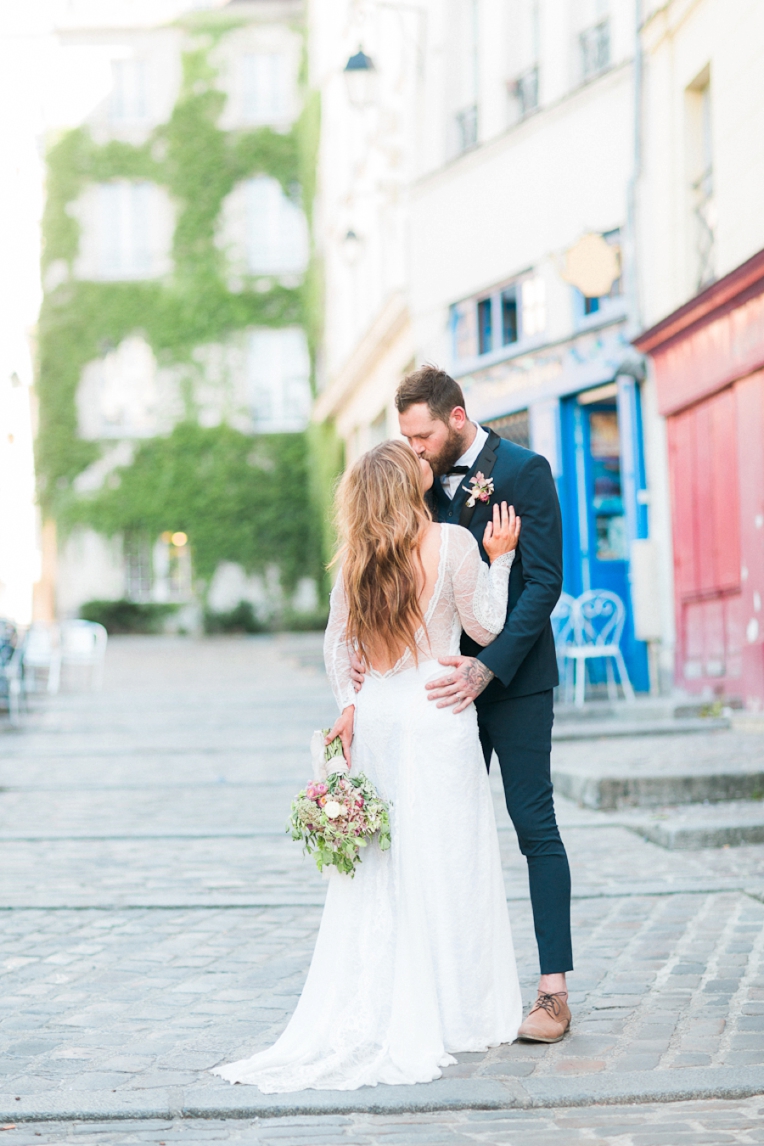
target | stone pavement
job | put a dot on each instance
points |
(155, 920)
(713, 1122)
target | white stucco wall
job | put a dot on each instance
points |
(518, 203)
(680, 41)
(90, 567)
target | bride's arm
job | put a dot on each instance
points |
(336, 650)
(337, 660)
(480, 590)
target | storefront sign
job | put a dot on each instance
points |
(566, 368)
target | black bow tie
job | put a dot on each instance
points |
(458, 470)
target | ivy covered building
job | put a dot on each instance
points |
(177, 329)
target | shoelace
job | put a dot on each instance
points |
(549, 1003)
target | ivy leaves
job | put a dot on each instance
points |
(198, 480)
(235, 503)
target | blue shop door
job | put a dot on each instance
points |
(596, 517)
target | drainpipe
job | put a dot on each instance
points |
(635, 309)
(645, 559)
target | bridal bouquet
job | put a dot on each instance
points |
(336, 816)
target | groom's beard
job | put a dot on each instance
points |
(452, 450)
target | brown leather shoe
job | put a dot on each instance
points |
(548, 1020)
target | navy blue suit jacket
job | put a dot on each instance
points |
(523, 656)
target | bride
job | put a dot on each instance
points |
(414, 957)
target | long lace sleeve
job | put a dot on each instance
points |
(336, 649)
(480, 590)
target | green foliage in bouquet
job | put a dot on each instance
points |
(334, 819)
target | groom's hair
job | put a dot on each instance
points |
(433, 386)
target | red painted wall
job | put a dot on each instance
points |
(716, 459)
(749, 394)
(708, 359)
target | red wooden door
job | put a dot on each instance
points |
(749, 394)
(706, 527)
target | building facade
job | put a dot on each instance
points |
(702, 285)
(175, 366)
(511, 230)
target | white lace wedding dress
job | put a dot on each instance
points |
(414, 957)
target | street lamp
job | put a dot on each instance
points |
(360, 77)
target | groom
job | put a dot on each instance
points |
(511, 680)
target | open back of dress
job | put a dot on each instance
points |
(414, 957)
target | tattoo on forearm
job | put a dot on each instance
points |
(476, 675)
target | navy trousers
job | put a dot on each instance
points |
(519, 730)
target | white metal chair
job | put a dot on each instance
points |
(83, 643)
(41, 653)
(596, 624)
(562, 628)
(10, 682)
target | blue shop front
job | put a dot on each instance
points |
(578, 403)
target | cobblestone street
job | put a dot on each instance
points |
(156, 920)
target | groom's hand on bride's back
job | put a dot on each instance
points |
(357, 671)
(467, 679)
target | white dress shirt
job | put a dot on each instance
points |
(451, 482)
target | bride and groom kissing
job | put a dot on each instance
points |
(414, 958)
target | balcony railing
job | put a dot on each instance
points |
(467, 128)
(595, 49)
(525, 90)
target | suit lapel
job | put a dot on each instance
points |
(484, 464)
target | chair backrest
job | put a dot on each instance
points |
(8, 638)
(562, 621)
(83, 641)
(41, 645)
(599, 617)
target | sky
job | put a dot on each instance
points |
(45, 86)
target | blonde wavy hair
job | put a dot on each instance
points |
(381, 518)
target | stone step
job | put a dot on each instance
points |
(703, 826)
(647, 708)
(621, 784)
(588, 729)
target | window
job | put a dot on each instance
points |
(118, 396)
(514, 427)
(524, 54)
(464, 329)
(139, 579)
(463, 69)
(279, 380)
(525, 90)
(124, 229)
(277, 233)
(485, 331)
(265, 87)
(594, 45)
(172, 568)
(129, 93)
(508, 316)
(533, 306)
(701, 171)
(467, 128)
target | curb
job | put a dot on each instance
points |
(609, 1089)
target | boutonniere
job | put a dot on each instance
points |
(479, 489)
